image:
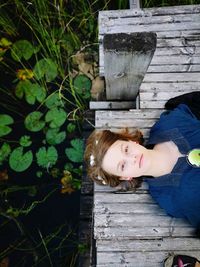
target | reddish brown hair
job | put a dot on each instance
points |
(97, 145)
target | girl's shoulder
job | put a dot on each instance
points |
(181, 116)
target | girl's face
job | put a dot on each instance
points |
(126, 159)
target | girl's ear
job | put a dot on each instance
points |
(125, 178)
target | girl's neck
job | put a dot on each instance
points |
(164, 157)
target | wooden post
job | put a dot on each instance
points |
(134, 4)
(126, 59)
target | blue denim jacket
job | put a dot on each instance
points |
(178, 193)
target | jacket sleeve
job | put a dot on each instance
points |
(192, 100)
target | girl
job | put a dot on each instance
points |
(169, 163)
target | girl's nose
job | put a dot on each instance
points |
(132, 159)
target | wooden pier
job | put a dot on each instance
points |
(130, 230)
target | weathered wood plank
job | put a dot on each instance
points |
(173, 68)
(141, 233)
(112, 104)
(127, 123)
(172, 77)
(85, 228)
(134, 3)
(120, 119)
(180, 59)
(107, 190)
(177, 50)
(146, 18)
(138, 220)
(86, 204)
(155, 11)
(87, 188)
(189, 35)
(152, 104)
(122, 198)
(191, 44)
(126, 208)
(139, 259)
(126, 59)
(165, 244)
(179, 87)
(151, 96)
(151, 27)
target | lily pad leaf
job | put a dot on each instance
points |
(25, 141)
(4, 152)
(75, 153)
(22, 49)
(53, 136)
(5, 120)
(45, 68)
(33, 122)
(47, 157)
(82, 85)
(53, 101)
(71, 127)
(56, 117)
(31, 91)
(20, 161)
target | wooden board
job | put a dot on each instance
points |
(130, 229)
(176, 59)
(126, 59)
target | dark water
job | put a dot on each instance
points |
(52, 221)
(49, 231)
(59, 214)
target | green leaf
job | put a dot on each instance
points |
(39, 174)
(4, 42)
(31, 91)
(82, 85)
(75, 153)
(45, 67)
(53, 136)
(32, 191)
(53, 101)
(22, 49)
(46, 157)
(25, 141)
(79, 170)
(71, 127)
(18, 161)
(4, 152)
(4, 121)
(69, 166)
(76, 184)
(56, 117)
(33, 122)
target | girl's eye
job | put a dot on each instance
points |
(122, 167)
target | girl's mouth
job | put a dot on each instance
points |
(140, 161)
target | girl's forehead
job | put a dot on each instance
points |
(118, 144)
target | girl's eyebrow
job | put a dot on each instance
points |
(121, 147)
